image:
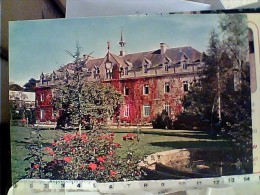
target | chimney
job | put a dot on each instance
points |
(163, 47)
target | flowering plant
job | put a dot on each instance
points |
(91, 155)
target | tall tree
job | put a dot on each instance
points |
(222, 91)
(81, 100)
(30, 85)
(15, 87)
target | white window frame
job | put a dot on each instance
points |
(126, 70)
(127, 110)
(125, 87)
(145, 68)
(167, 84)
(167, 107)
(42, 97)
(42, 113)
(144, 89)
(166, 67)
(146, 110)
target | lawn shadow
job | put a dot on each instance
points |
(196, 135)
(27, 143)
(190, 144)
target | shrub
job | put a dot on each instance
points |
(91, 155)
(162, 121)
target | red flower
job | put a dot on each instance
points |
(68, 137)
(101, 159)
(36, 166)
(117, 145)
(112, 173)
(67, 159)
(48, 149)
(54, 143)
(23, 120)
(92, 166)
(51, 152)
(129, 136)
(84, 137)
(112, 134)
(102, 168)
(111, 153)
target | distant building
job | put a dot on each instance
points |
(22, 99)
(150, 81)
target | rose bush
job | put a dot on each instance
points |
(91, 155)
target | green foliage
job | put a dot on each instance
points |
(162, 121)
(93, 100)
(91, 155)
(222, 92)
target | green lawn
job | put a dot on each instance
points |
(151, 141)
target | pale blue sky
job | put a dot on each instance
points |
(39, 46)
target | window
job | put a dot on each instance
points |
(126, 90)
(42, 114)
(108, 74)
(166, 67)
(251, 47)
(185, 86)
(96, 72)
(145, 68)
(126, 70)
(146, 110)
(146, 89)
(167, 108)
(167, 88)
(127, 111)
(185, 66)
(42, 97)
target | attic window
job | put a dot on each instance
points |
(184, 66)
(145, 68)
(126, 70)
(96, 72)
(108, 74)
(166, 67)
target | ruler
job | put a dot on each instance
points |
(231, 185)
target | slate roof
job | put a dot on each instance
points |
(155, 59)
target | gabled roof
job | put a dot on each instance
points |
(92, 62)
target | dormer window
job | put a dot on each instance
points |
(96, 72)
(126, 70)
(53, 77)
(42, 78)
(145, 68)
(166, 67)
(109, 67)
(108, 74)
